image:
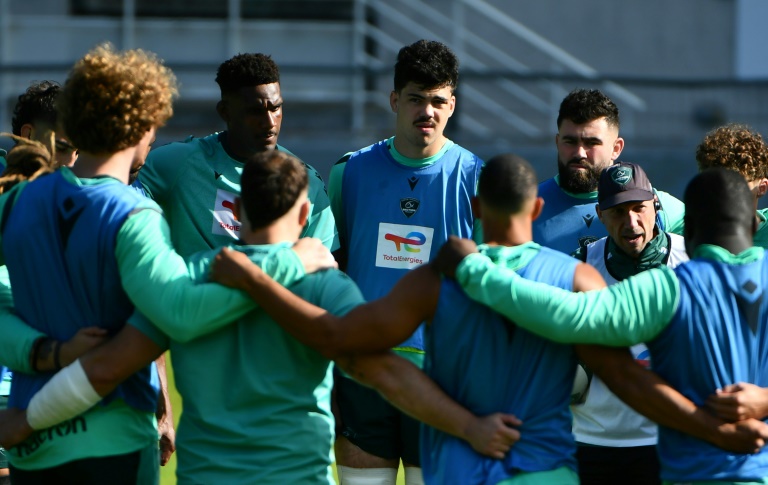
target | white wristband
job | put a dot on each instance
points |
(68, 394)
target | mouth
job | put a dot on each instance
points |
(633, 239)
(425, 125)
(577, 165)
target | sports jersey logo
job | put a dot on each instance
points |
(412, 182)
(403, 247)
(585, 241)
(409, 206)
(622, 175)
(412, 239)
(224, 221)
(588, 218)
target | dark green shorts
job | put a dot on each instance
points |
(137, 468)
(374, 425)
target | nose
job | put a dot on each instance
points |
(429, 110)
(581, 152)
(271, 119)
(633, 219)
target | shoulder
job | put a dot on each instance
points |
(179, 149)
(465, 155)
(330, 289)
(365, 152)
(200, 262)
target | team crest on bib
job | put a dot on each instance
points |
(409, 206)
(585, 241)
(622, 175)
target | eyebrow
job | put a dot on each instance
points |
(585, 138)
(432, 98)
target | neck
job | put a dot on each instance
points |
(277, 232)
(509, 231)
(735, 244)
(117, 165)
(418, 152)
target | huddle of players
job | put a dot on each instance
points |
(428, 184)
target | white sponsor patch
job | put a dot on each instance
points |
(224, 221)
(403, 247)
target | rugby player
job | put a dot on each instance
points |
(395, 202)
(587, 142)
(34, 118)
(196, 181)
(739, 148)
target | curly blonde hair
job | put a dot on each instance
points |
(111, 99)
(734, 147)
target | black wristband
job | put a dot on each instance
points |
(56, 355)
(36, 352)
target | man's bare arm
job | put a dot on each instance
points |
(373, 327)
(413, 392)
(104, 368)
(164, 414)
(654, 398)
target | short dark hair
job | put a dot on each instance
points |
(245, 70)
(585, 105)
(507, 182)
(36, 105)
(428, 64)
(735, 147)
(270, 185)
(719, 201)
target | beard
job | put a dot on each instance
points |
(578, 182)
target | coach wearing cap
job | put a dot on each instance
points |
(616, 444)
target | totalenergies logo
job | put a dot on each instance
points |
(230, 206)
(412, 239)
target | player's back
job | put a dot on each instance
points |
(59, 245)
(717, 337)
(256, 401)
(489, 365)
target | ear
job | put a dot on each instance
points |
(452, 105)
(557, 139)
(304, 213)
(26, 131)
(221, 108)
(393, 98)
(762, 187)
(538, 206)
(476, 211)
(238, 209)
(599, 213)
(618, 146)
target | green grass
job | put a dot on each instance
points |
(168, 472)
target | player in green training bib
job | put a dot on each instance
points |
(196, 181)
